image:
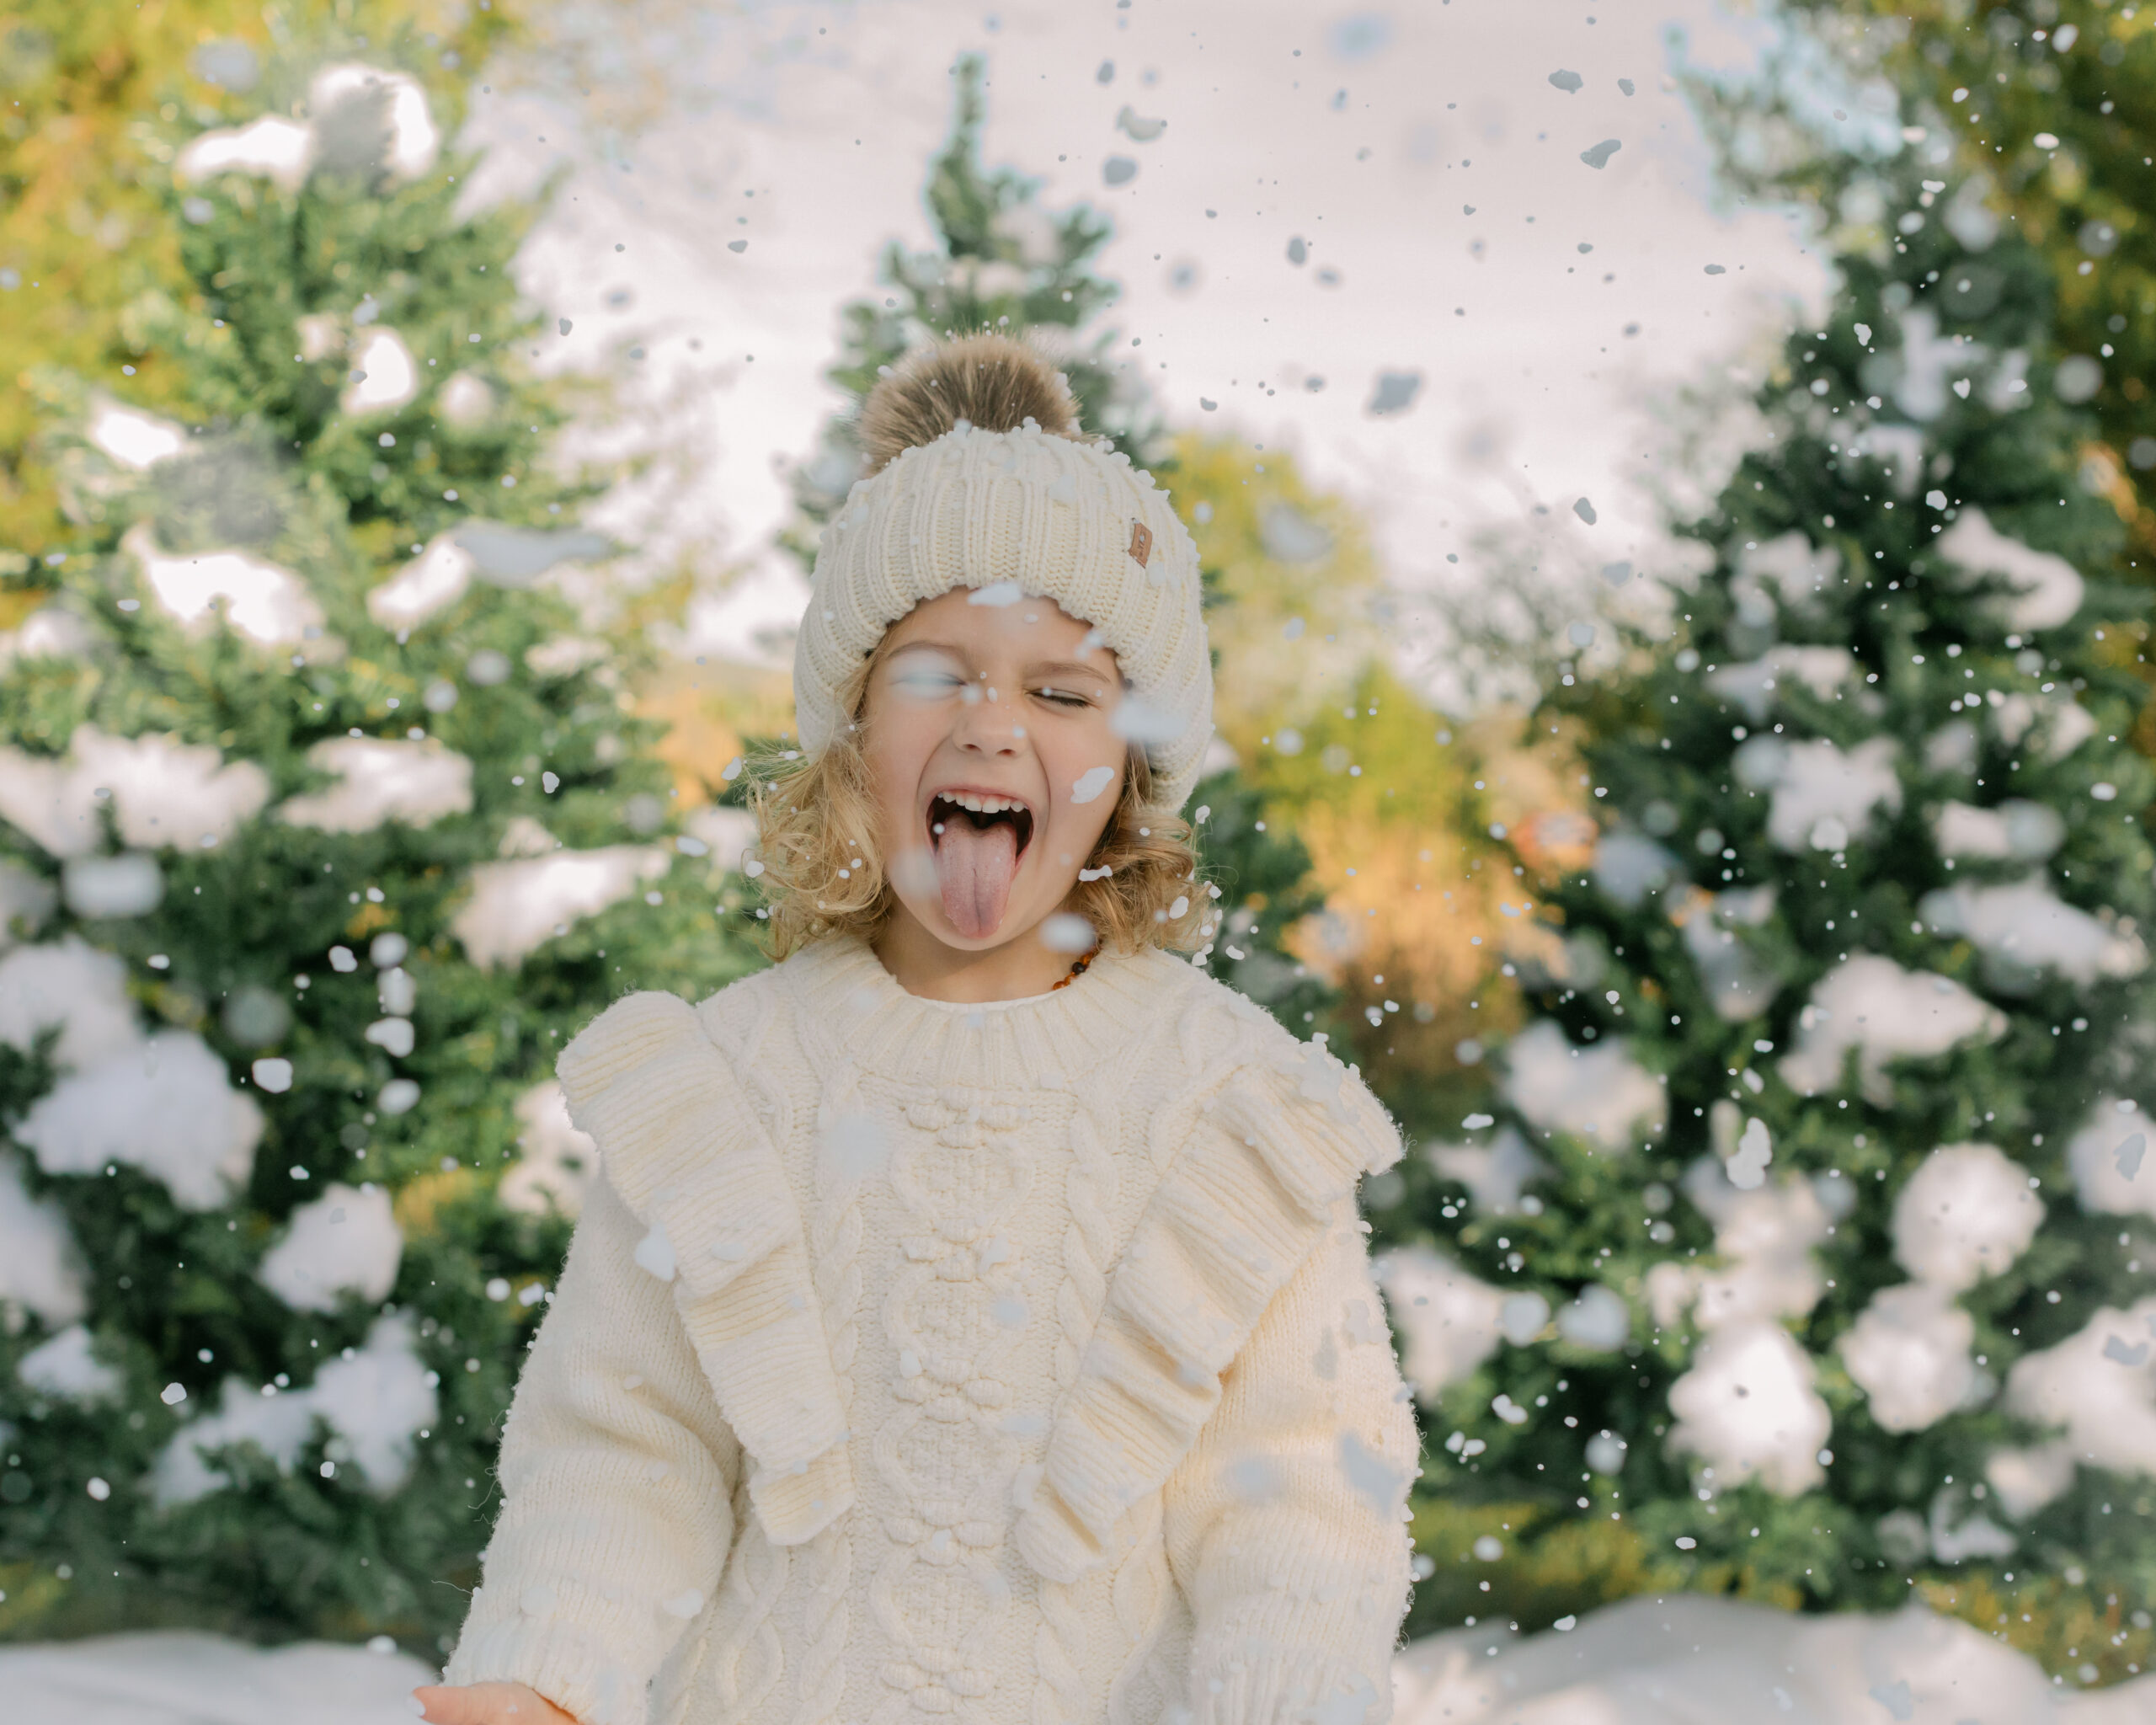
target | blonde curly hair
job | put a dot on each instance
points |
(822, 874)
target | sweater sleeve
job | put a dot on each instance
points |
(617, 1474)
(1284, 1522)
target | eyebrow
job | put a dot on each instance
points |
(1052, 667)
(1068, 667)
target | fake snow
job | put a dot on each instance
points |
(1819, 790)
(556, 1161)
(2100, 1386)
(263, 600)
(2025, 831)
(1628, 866)
(70, 986)
(373, 1403)
(1909, 1353)
(49, 631)
(1495, 1173)
(345, 1242)
(272, 147)
(163, 1105)
(1448, 1321)
(2024, 928)
(1681, 1659)
(1791, 563)
(25, 900)
(1090, 783)
(39, 1268)
(382, 780)
(2047, 589)
(1966, 1213)
(382, 373)
(433, 579)
(399, 134)
(176, 1677)
(1600, 1093)
(1647, 1661)
(1763, 1240)
(132, 437)
(1749, 1410)
(162, 792)
(1873, 1006)
(65, 1368)
(516, 906)
(1756, 685)
(2109, 1157)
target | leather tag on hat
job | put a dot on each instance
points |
(1141, 543)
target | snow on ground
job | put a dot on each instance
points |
(1687, 1660)
(1647, 1661)
(205, 1679)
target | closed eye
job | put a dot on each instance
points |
(925, 684)
(1063, 698)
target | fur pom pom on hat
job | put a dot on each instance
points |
(979, 477)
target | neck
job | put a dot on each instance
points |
(923, 965)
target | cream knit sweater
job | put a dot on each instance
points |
(1011, 1364)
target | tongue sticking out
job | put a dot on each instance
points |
(975, 866)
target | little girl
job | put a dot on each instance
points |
(972, 1321)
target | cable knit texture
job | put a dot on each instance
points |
(1013, 1365)
(1065, 520)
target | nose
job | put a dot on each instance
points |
(989, 727)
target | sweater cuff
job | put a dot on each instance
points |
(573, 1670)
(1257, 1681)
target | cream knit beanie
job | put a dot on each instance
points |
(976, 495)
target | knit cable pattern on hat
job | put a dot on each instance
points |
(1053, 517)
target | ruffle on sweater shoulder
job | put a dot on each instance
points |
(681, 1143)
(1248, 1200)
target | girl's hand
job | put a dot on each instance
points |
(488, 1704)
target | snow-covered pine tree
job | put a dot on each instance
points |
(325, 824)
(1804, 1252)
(1004, 262)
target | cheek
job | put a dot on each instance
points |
(895, 756)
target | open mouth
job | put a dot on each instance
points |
(978, 814)
(977, 838)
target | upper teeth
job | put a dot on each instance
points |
(978, 804)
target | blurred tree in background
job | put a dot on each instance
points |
(325, 824)
(1800, 1252)
(2051, 106)
(96, 96)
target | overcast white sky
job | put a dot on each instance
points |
(1420, 150)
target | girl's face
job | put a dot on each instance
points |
(995, 762)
